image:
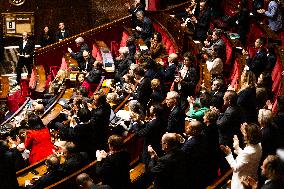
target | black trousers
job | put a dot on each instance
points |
(21, 63)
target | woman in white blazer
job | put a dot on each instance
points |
(247, 161)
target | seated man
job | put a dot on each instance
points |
(62, 33)
(84, 181)
(145, 28)
(74, 160)
(52, 163)
(113, 167)
(79, 55)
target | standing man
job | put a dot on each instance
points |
(62, 33)
(79, 55)
(26, 51)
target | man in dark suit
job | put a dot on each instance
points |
(170, 71)
(176, 116)
(230, 121)
(170, 170)
(217, 94)
(113, 167)
(8, 179)
(145, 28)
(74, 160)
(152, 131)
(143, 90)
(88, 63)
(257, 63)
(79, 55)
(84, 181)
(196, 150)
(122, 63)
(100, 119)
(26, 51)
(202, 22)
(50, 176)
(62, 33)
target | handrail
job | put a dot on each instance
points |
(83, 34)
(55, 102)
(17, 112)
(221, 180)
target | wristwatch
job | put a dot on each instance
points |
(17, 2)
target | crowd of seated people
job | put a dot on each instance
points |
(184, 130)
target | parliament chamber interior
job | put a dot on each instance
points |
(142, 94)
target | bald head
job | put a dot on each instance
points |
(172, 58)
(52, 162)
(170, 141)
(84, 180)
(25, 35)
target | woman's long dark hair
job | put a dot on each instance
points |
(35, 123)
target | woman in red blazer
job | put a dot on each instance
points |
(38, 140)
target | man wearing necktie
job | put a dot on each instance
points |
(62, 33)
(26, 51)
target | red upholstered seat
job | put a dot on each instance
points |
(96, 53)
(235, 74)
(165, 39)
(124, 39)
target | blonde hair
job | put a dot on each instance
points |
(248, 79)
(264, 117)
(155, 83)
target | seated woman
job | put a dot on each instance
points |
(214, 62)
(157, 48)
(38, 140)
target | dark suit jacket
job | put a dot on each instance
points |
(169, 73)
(176, 121)
(273, 184)
(79, 56)
(247, 102)
(197, 154)
(188, 83)
(122, 67)
(269, 141)
(82, 66)
(170, 170)
(278, 121)
(152, 133)
(257, 63)
(229, 125)
(74, 163)
(147, 29)
(59, 35)
(46, 180)
(82, 136)
(100, 121)
(203, 24)
(95, 186)
(94, 76)
(217, 99)
(143, 92)
(29, 48)
(8, 179)
(114, 170)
